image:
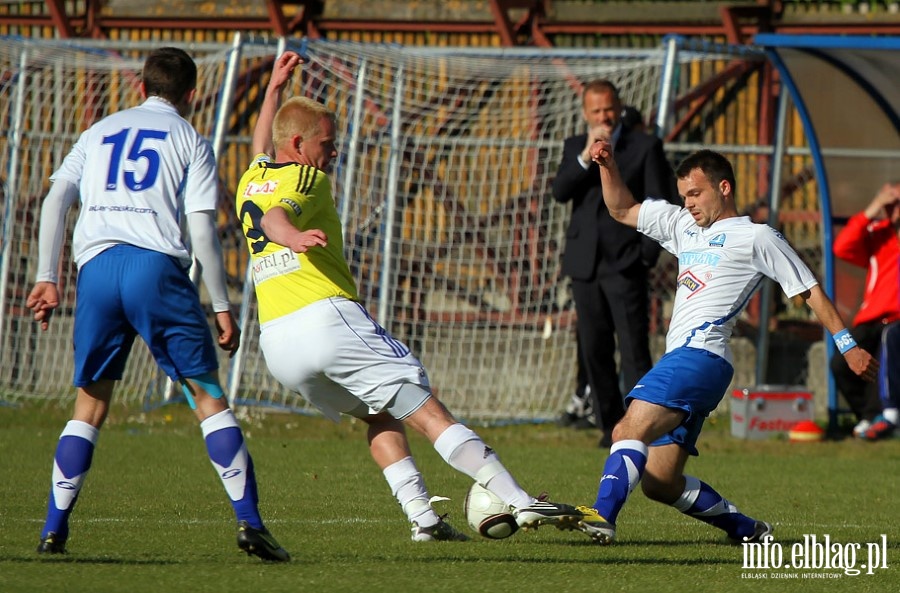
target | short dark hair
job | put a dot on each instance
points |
(715, 166)
(169, 73)
(601, 85)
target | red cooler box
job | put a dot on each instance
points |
(766, 410)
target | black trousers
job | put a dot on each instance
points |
(862, 396)
(613, 311)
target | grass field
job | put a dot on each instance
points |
(153, 516)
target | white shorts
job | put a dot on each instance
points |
(339, 358)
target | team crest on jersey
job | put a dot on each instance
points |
(718, 240)
(691, 282)
(690, 233)
(254, 189)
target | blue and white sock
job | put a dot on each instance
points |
(71, 463)
(231, 460)
(621, 473)
(701, 502)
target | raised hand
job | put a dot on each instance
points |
(602, 153)
(283, 69)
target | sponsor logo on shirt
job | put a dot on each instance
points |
(694, 258)
(254, 189)
(283, 261)
(691, 282)
(122, 209)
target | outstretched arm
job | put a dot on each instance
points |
(282, 71)
(861, 362)
(621, 204)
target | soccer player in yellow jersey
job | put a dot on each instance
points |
(318, 339)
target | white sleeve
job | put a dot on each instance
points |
(774, 257)
(201, 186)
(208, 251)
(52, 231)
(660, 220)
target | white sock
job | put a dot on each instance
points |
(466, 452)
(408, 487)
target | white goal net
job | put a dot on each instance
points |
(442, 181)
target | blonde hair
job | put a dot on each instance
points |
(298, 116)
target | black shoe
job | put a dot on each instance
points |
(585, 423)
(52, 544)
(761, 530)
(259, 542)
(440, 531)
(544, 512)
(567, 419)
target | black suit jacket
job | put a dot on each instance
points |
(595, 242)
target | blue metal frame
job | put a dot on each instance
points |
(771, 40)
(814, 44)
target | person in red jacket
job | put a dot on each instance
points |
(871, 240)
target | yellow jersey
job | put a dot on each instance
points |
(287, 281)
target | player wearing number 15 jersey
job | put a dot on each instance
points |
(139, 173)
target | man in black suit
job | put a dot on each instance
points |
(608, 262)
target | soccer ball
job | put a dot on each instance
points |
(487, 514)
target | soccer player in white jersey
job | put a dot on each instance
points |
(722, 258)
(138, 173)
(318, 339)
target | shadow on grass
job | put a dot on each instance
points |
(67, 559)
(531, 560)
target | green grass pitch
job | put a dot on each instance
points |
(153, 517)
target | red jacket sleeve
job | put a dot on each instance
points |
(853, 243)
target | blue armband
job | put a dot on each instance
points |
(844, 341)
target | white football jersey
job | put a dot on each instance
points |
(139, 172)
(719, 269)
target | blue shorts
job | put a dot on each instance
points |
(127, 291)
(688, 379)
